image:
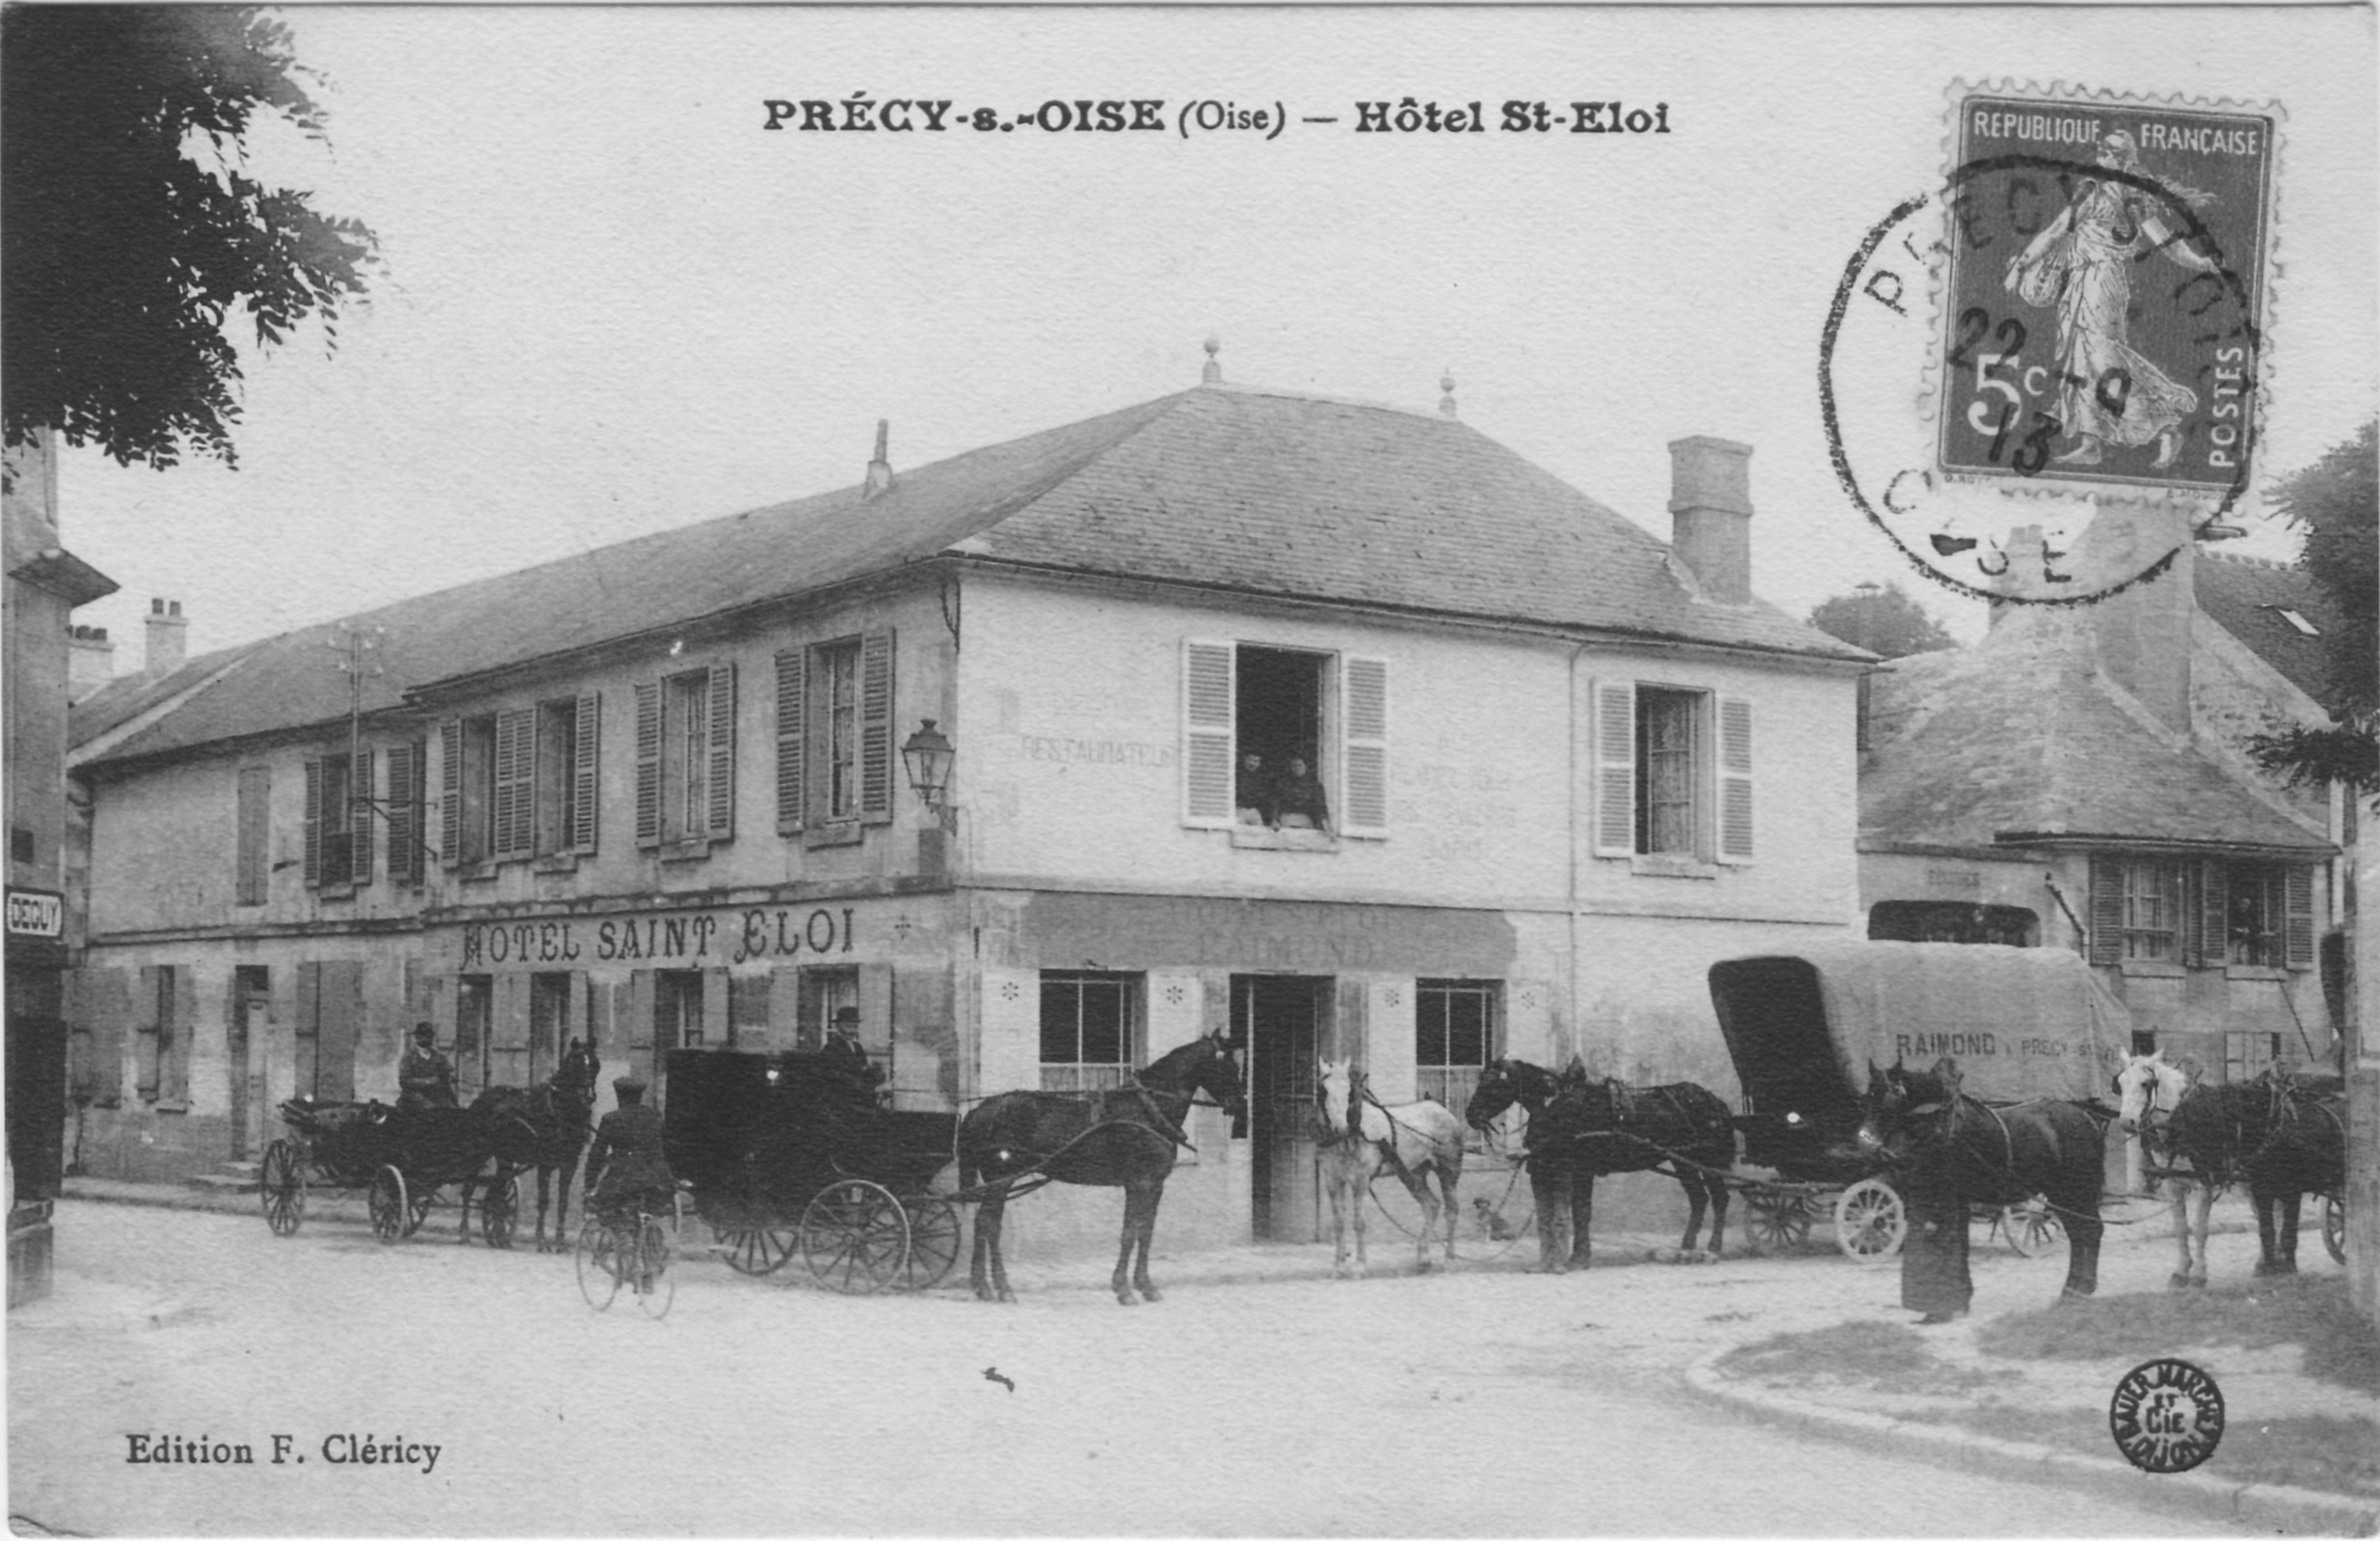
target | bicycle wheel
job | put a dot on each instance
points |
(655, 1285)
(599, 1271)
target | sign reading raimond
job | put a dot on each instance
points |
(2103, 311)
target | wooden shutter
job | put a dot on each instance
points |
(402, 758)
(314, 824)
(145, 1032)
(2106, 909)
(1009, 1033)
(1615, 768)
(1735, 778)
(362, 821)
(173, 1075)
(515, 783)
(253, 871)
(793, 676)
(2207, 935)
(338, 1023)
(877, 758)
(2298, 886)
(585, 775)
(451, 790)
(648, 763)
(1366, 713)
(720, 783)
(1210, 713)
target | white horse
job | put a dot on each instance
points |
(2149, 1090)
(1360, 1136)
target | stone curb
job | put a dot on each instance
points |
(2259, 1505)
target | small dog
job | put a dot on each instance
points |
(1493, 1226)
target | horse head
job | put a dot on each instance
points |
(2146, 1087)
(1217, 1074)
(1502, 1084)
(576, 1078)
(1898, 1096)
(1338, 1102)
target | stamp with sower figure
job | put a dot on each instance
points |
(2079, 313)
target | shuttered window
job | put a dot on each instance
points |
(792, 676)
(1615, 768)
(1283, 739)
(837, 761)
(1367, 733)
(567, 741)
(339, 824)
(1673, 772)
(251, 871)
(408, 767)
(685, 756)
(473, 753)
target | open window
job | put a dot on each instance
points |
(1284, 740)
(1674, 774)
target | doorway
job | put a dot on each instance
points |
(251, 1009)
(1278, 1020)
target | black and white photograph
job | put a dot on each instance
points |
(1191, 770)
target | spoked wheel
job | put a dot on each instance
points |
(599, 1270)
(1780, 1219)
(393, 1215)
(282, 1184)
(2335, 1227)
(651, 1279)
(933, 1240)
(2031, 1227)
(1869, 1222)
(500, 1211)
(855, 1237)
(755, 1249)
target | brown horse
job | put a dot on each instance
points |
(546, 1128)
(2283, 1136)
(1121, 1139)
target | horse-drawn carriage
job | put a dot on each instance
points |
(1803, 1028)
(401, 1158)
(791, 1152)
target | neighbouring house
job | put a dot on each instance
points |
(655, 796)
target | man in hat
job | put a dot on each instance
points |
(627, 1172)
(424, 1077)
(843, 1038)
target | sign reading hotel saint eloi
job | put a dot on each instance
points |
(688, 939)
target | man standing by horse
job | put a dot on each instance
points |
(424, 1077)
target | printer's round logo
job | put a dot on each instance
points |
(2167, 1416)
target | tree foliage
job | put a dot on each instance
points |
(1883, 620)
(2336, 502)
(121, 255)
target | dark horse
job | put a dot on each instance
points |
(1119, 1139)
(546, 1126)
(1995, 1155)
(2284, 1136)
(1580, 1130)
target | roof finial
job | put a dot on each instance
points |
(1445, 383)
(880, 469)
(1212, 374)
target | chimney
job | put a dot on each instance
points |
(2144, 633)
(91, 661)
(880, 469)
(1711, 514)
(168, 637)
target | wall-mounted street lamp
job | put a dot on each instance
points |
(926, 756)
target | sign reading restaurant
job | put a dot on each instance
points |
(686, 939)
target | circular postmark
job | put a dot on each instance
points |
(2167, 1416)
(2040, 382)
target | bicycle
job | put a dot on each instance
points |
(614, 1256)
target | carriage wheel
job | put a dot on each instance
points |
(855, 1237)
(1780, 1220)
(1869, 1222)
(756, 1250)
(933, 1240)
(2335, 1227)
(282, 1184)
(392, 1214)
(599, 1271)
(500, 1211)
(2030, 1229)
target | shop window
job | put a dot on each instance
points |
(1282, 739)
(1673, 773)
(1090, 1030)
(338, 822)
(677, 1009)
(686, 754)
(835, 755)
(1454, 1037)
(1949, 921)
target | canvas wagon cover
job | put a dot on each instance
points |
(2021, 1021)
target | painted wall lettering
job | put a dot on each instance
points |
(682, 938)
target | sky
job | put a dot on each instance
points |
(614, 302)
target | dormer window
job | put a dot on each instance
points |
(2295, 618)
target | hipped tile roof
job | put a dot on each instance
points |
(2022, 738)
(1243, 490)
